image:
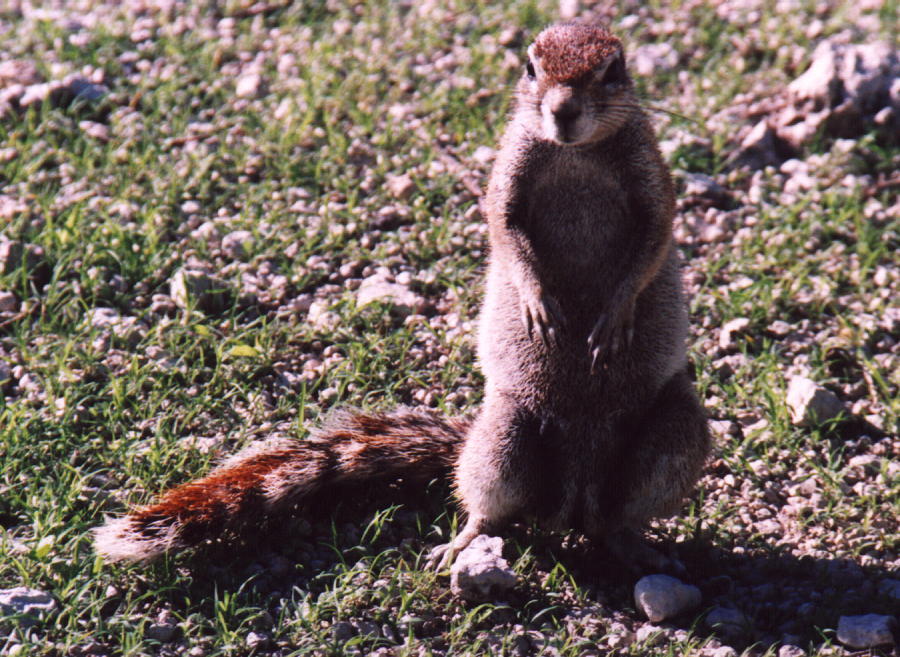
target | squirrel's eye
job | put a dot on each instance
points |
(529, 69)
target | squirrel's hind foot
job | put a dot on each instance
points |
(636, 554)
(442, 557)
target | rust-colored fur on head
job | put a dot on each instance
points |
(570, 51)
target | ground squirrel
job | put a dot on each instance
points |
(590, 421)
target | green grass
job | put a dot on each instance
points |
(103, 420)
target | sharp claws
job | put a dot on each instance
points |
(554, 334)
(438, 557)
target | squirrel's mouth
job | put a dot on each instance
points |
(569, 133)
(565, 132)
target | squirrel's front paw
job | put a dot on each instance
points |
(612, 333)
(540, 311)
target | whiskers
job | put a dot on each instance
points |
(650, 108)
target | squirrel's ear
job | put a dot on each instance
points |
(530, 67)
(612, 71)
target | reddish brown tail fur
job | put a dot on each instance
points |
(270, 477)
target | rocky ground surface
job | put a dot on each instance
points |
(218, 221)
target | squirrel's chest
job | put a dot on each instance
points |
(576, 216)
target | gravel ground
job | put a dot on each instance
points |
(219, 220)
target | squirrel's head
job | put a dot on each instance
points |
(576, 83)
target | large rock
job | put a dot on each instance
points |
(661, 597)
(811, 404)
(480, 570)
(33, 604)
(866, 631)
(861, 74)
(377, 288)
(845, 87)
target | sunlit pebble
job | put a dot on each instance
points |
(191, 207)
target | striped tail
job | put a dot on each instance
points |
(272, 476)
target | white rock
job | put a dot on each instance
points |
(810, 404)
(257, 640)
(32, 603)
(208, 231)
(569, 9)
(651, 635)
(791, 651)
(18, 71)
(37, 93)
(236, 244)
(400, 186)
(620, 636)
(189, 286)
(768, 527)
(652, 58)
(481, 570)
(840, 71)
(95, 130)
(11, 206)
(866, 631)
(191, 207)
(730, 329)
(723, 651)
(103, 317)
(661, 597)
(321, 317)
(249, 85)
(376, 288)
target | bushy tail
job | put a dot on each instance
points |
(350, 448)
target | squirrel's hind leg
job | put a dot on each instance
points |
(490, 482)
(665, 456)
(656, 471)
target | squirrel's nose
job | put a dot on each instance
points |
(566, 112)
